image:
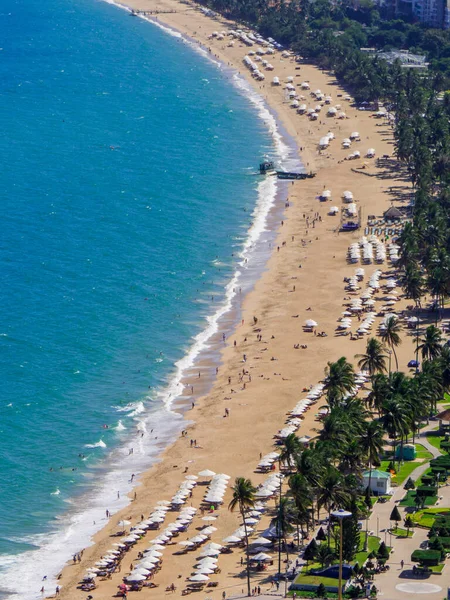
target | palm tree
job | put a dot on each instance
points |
(431, 344)
(339, 380)
(282, 521)
(371, 441)
(302, 495)
(390, 335)
(378, 392)
(331, 492)
(243, 498)
(292, 447)
(396, 419)
(350, 457)
(373, 361)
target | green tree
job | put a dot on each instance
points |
(321, 591)
(339, 380)
(431, 346)
(390, 335)
(310, 552)
(291, 447)
(409, 485)
(243, 498)
(324, 555)
(395, 516)
(331, 493)
(408, 524)
(374, 359)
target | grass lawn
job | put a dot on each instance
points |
(373, 544)
(437, 568)
(316, 580)
(408, 500)
(435, 439)
(426, 517)
(402, 533)
(407, 467)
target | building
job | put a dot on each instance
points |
(433, 13)
(406, 59)
(380, 482)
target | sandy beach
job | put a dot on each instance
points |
(262, 374)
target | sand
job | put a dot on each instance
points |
(278, 372)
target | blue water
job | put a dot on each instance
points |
(127, 183)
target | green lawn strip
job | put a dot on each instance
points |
(408, 500)
(316, 580)
(425, 518)
(423, 452)
(434, 439)
(437, 568)
(402, 533)
(373, 543)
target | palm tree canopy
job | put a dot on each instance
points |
(290, 449)
(339, 380)
(374, 359)
(431, 343)
(371, 441)
(243, 494)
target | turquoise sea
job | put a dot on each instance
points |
(128, 187)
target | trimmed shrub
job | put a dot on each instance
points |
(426, 557)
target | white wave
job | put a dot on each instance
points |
(120, 426)
(133, 408)
(56, 492)
(99, 444)
(155, 429)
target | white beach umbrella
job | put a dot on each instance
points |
(204, 571)
(261, 557)
(206, 473)
(141, 571)
(262, 541)
(199, 577)
(209, 560)
(310, 323)
(211, 552)
(191, 477)
(163, 502)
(209, 518)
(136, 577)
(213, 546)
(232, 539)
(186, 543)
(209, 530)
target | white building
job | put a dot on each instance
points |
(380, 482)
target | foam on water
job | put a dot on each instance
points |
(74, 529)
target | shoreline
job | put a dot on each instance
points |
(210, 355)
(205, 411)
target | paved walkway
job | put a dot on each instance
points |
(398, 583)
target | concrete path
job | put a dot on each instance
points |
(398, 583)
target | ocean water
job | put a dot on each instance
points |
(128, 194)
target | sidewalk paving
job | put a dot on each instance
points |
(398, 583)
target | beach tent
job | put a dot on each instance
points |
(276, 81)
(370, 153)
(324, 143)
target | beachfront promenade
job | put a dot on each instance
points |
(397, 582)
